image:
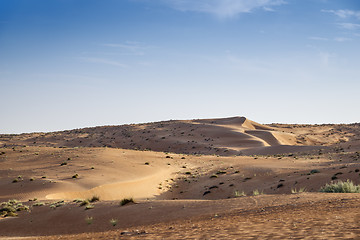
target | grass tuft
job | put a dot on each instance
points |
(301, 190)
(256, 192)
(113, 221)
(341, 187)
(239, 194)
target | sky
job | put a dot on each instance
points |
(68, 64)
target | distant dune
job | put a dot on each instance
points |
(224, 137)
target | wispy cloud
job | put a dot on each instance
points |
(336, 39)
(342, 39)
(344, 13)
(223, 8)
(131, 48)
(319, 38)
(349, 26)
(103, 61)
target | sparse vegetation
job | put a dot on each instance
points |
(11, 207)
(294, 190)
(84, 202)
(37, 204)
(314, 171)
(126, 201)
(239, 194)
(94, 199)
(113, 222)
(256, 192)
(89, 206)
(341, 187)
(89, 220)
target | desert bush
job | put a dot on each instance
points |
(294, 190)
(341, 187)
(94, 199)
(9, 208)
(113, 221)
(257, 192)
(89, 206)
(38, 204)
(239, 194)
(126, 201)
(84, 202)
(89, 220)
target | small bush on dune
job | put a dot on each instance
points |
(341, 187)
(94, 198)
(9, 208)
(126, 201)
(84, 202)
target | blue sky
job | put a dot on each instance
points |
(68, 64)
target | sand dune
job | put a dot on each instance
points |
(195, 174)
(224, 137)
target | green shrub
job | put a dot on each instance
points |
(89, 220)
(341, 187)
(89, 206)
(294, 190)
(257, 192)
(113, 221)
(84, 202)
(239, 194)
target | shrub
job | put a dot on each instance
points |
(294, 190)
(84, 202)
(341, 187)
(89, 206)
(38, 204)
(94, 198)
(113, 221)
(257, 192)
(89, 220)
(126, 201)
(239, 194)
(9, 208)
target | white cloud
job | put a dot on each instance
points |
(349, 26)
(318, 38)
(342, 39)
(344, 13)
(223, 8)
(103, 61)
(133, 48)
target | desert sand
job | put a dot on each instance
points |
(189, 179)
